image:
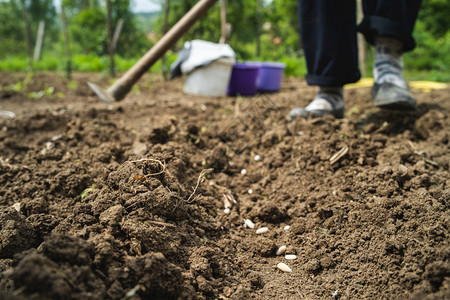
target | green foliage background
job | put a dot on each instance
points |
(432, 34)
(278, 34)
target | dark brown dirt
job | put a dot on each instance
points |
(100, 201)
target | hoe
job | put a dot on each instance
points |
(123, 85)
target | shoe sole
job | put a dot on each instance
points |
(388, 96)
(398, 105)
(316, 113)
(320, 113)
(337, 113)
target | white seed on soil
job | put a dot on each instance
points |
(228, 199)
(244, 171)
(250, 191)
(284, 267)
(49, 145)
(17, 206)
(226, 211)
(335, 294)
(281, 250)
(248, 223)
(290, 256)
(287, 227)
(57, 137)
(257, 157)
(262, 230)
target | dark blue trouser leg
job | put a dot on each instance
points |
(390, 18)
(328, 33)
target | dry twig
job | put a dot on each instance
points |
(162, 224)
(338, 155)
(163, 166)
(200, 179)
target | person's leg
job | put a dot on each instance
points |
(388, 62)
(388, 25)
(390, 18)
(328, 35)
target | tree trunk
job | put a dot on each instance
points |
(362, 54)
(223, 22)
(39, 39)
(112, 71)
(165, 27)
(258, 27)
(27, 35)
(66, 43)
(116, 34)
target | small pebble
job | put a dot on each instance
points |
(262, 230)
(287, 227)
(290, 256)
(281, 250)
(250, 191)
(227, 211)
(403, 169)
(257, 157)
(17, 206)
(244, 171)
(248, 223)
(284, 267)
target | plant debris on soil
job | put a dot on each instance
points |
(126, 200)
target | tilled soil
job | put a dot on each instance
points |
(125, 200)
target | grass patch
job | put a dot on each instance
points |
(295, 66)
(17, 63)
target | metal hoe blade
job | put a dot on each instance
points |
(102, 93)
(6, 114)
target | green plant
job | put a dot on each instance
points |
(87, 191)
(295, 66)
(72, 85)
(431, 52)
(40, 94)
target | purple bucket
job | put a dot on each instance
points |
(270, 75)
(243, 80)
